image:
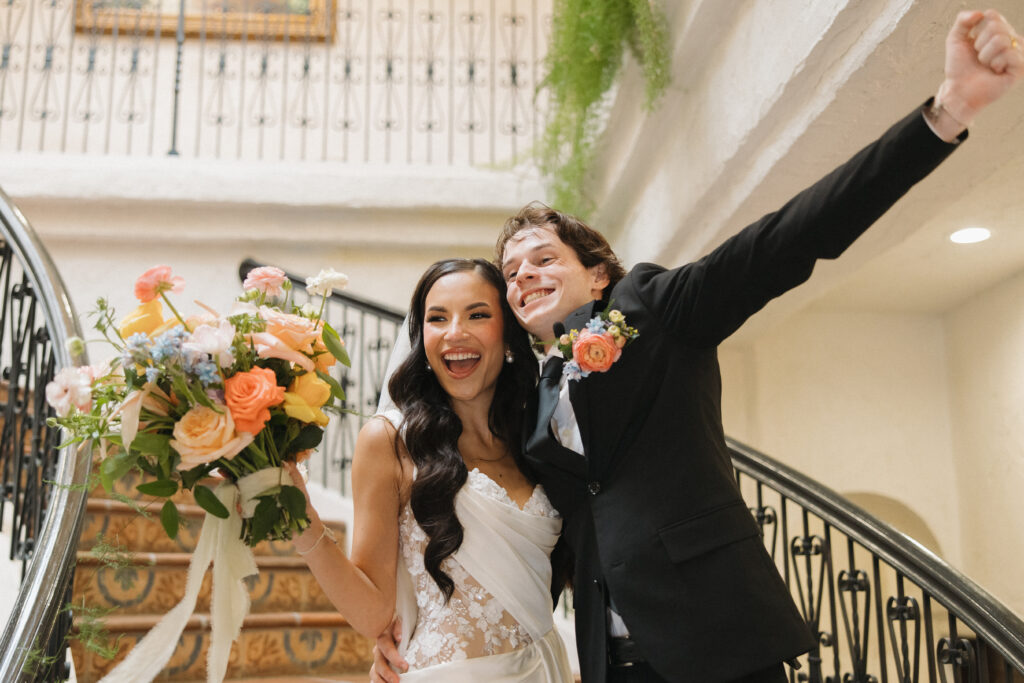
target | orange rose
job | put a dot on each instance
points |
(202, 435)
(249, 396)
(595, 352)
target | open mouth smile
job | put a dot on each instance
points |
(460, 363)
(534, 295)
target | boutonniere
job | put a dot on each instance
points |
(597, 346)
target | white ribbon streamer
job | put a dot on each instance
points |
(219, 543)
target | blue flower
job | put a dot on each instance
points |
(207, 372)
(572, 370)
(152, 374)
(168, 344)
(596, 325)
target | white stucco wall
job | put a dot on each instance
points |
(986, 344)
(857, 400)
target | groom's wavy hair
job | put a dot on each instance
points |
(590, 246)
(432, 428)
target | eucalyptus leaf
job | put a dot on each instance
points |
(169, 518)
(208, 500)
(333, 343)
(161, 488)
(115, 467)
(293, 500)
(149, 443)
(308, 437)
(263, 519)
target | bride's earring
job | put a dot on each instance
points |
(509, 356)
(429, 369)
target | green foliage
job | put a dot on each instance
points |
(91, 630)
(209, 501)
(588, 41)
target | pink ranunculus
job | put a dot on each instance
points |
(265, 279)
(156, 280)
(70, 387)
(595, 352)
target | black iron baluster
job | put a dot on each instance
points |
(904, 610)
(179, 55)
(959, 654)
(854, 582)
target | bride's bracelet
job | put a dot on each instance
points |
(326, 532)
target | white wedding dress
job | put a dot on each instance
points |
(498, 624)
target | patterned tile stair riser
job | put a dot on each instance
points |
(292, 633)
(293, 645)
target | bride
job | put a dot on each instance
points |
(449, 533)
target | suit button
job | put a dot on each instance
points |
(594, 487)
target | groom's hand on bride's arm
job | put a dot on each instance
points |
(386, 657)
(984, 58)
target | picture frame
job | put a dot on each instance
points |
(237, 19)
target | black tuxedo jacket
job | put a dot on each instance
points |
(652, 512)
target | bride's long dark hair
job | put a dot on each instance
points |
(432, 428)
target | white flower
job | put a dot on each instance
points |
(70, 387)
(326, 281)
(214, 340)
(75, 346)
(308, 310)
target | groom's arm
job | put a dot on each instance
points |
(704, 302)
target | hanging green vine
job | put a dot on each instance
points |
(588, 40)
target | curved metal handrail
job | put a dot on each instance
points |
(975, 607)
(47, 575)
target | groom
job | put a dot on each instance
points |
(672, 581)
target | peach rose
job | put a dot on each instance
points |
(202, 435)
(156, 280)
(249, 395)
(296, 332)
(145, 318)
(595, 352)
(269, 346)
(323, 358)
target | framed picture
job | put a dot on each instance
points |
(251, 19)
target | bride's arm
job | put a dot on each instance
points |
(362, 588)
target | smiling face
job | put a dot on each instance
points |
(463, 335)
(545, 280)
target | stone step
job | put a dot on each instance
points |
(155, 582)
(290, 645)
(120, 524)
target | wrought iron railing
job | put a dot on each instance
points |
(44, 487)
(883, 607)
(395, 81)
(369, 331)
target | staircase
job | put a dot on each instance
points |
(292, 633)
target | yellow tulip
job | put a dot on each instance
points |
(295, 406)
(312, 389)
(145, 319)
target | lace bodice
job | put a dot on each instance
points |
(473, 623)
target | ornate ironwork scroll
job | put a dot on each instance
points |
(369, 81)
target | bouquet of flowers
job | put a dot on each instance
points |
(187, 398)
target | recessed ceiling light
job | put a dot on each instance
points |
(970, 235)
